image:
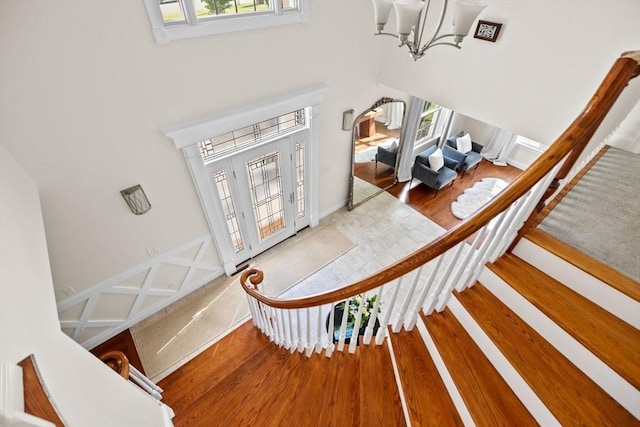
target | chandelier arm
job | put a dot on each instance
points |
(435, 36)
(424, 49)
(380, 33)
(423, 17)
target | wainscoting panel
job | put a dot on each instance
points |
(97, 314)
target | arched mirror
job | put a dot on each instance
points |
(375, 150)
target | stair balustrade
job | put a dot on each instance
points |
(425, 280)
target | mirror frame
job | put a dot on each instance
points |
(382, 101)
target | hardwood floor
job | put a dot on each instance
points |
(245, 380)
(438, 209)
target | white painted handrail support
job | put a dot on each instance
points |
(456, 269)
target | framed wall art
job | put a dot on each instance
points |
(487, 31)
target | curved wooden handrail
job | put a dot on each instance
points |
(576, 136)
(117, 361)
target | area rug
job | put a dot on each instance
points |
(599, 215)
(369, 154)
(477, 196)
(181, 331)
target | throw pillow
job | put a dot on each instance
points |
(394, 145)
(436, 160)
(463, 144)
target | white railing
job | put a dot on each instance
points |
(428, 288)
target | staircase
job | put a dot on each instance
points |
(517, 348)
(532, 340)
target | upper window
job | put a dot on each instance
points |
(179, 19)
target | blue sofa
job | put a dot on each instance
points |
(464, 161)
(431, 178)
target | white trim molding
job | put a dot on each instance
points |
(186, 137)
(78, 316)
(192, 133)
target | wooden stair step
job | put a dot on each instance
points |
(488, 397)
(612, 340)
(203, 372)
(572, 397)
(379, 396)
(247, 380)
(584, 262)
(426, 396)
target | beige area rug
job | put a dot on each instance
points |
(178, 333)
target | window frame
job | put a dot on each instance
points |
(436, 111)
(193, 27)
(531, 144)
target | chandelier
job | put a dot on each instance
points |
(411, 17)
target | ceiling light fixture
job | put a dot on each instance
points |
(411, 17)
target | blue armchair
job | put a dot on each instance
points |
(465, 161)
(432, 178)
(387, 155)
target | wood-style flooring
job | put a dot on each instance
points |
(438, 209)
(246, 380)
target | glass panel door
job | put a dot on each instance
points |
(269, 202)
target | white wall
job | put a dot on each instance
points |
(549, 59)
(86, 91)
(480, 132)
(83, 389)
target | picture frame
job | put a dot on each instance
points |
(487, 31)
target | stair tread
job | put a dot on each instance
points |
(272, 386)
(612, 340)
(235, 349)
(427, 398)
(572, 397)
(376, 375)
(487, 396)
(584, 262)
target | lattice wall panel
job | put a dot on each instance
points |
(97, 314)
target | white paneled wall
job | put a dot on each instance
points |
(97, 314)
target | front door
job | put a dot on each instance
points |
(259, 196)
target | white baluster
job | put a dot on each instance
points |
(478, 260)
(254, 312)
(300, 332)
(445, 296)
(368, 333)
(405, 306)
(355, 335)
(510, 214)
(319, 331)
(266, 310)
(343, 325)
(382, 332)
(309, 344)
(411, 322)
(286, 342)
(276, 325)
(291, 332)
(438, 289)
(472, 256)
(330, 344)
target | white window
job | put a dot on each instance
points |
(180, 19)
(531, 144)
(428, 125)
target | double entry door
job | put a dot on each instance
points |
(260, 194)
